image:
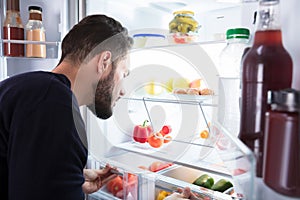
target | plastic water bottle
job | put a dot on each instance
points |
(229, 78)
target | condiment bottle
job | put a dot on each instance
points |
(13, 30)
(229, 78)
(35, 32)
(281, 170)
(266, 66)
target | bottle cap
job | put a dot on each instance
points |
(237, 33)
(189, 12)
(13, 5)
(35, 8)
(284, 100)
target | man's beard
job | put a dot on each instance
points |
(102, 106)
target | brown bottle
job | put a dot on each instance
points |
(266, 66)
(13, 29)
(281, 169)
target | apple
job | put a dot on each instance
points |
(195, 83)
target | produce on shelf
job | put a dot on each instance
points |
(222, 185)
(166, 129)
(167, 138)
(193, 91)
(207, 181)
(154, 88)
(162, 195)
(204, 181)
(156, 140)
(181, 83)
(195, 83)
(206, 91)
(204, 134)
(142, 132)
(119, 187)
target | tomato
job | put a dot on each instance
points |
(204, 134)
(166, 130)
(167, 138)
(115, 185)
(156, 140)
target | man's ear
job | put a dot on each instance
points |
(104, 61)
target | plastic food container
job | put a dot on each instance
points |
(148, 39)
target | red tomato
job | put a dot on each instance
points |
(156, 141)
(115, 185)
(167, 138)
(166, 130)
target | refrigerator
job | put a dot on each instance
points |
(188, 155)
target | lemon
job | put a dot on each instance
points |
(153, 88)
(169, 85)
(181, 83)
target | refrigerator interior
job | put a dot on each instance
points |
(111, 141)
(156, 62)
(221, 155)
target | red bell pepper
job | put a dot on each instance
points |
(141, 132)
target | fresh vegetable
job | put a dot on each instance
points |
(204, 181)
(156, 140)
(118, 187)
(204, 134)
(115, 185)
(162, 195)
(141, 132)
(166, 130)
(167, 138)
(222, 185)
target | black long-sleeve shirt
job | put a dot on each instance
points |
(42, 139)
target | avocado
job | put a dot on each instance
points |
(204, 181)
(221, 185)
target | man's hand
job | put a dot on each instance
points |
(96, 178)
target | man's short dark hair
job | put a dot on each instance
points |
(94, 34)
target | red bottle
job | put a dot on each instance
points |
(13, 29)
(281, 170)
(266, 66)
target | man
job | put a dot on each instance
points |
(43, 148)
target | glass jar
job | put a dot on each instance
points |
(183, 27)
(35, 32)
(13, 30)
(282, 136)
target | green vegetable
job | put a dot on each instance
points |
(222, 185)
(204, 181)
